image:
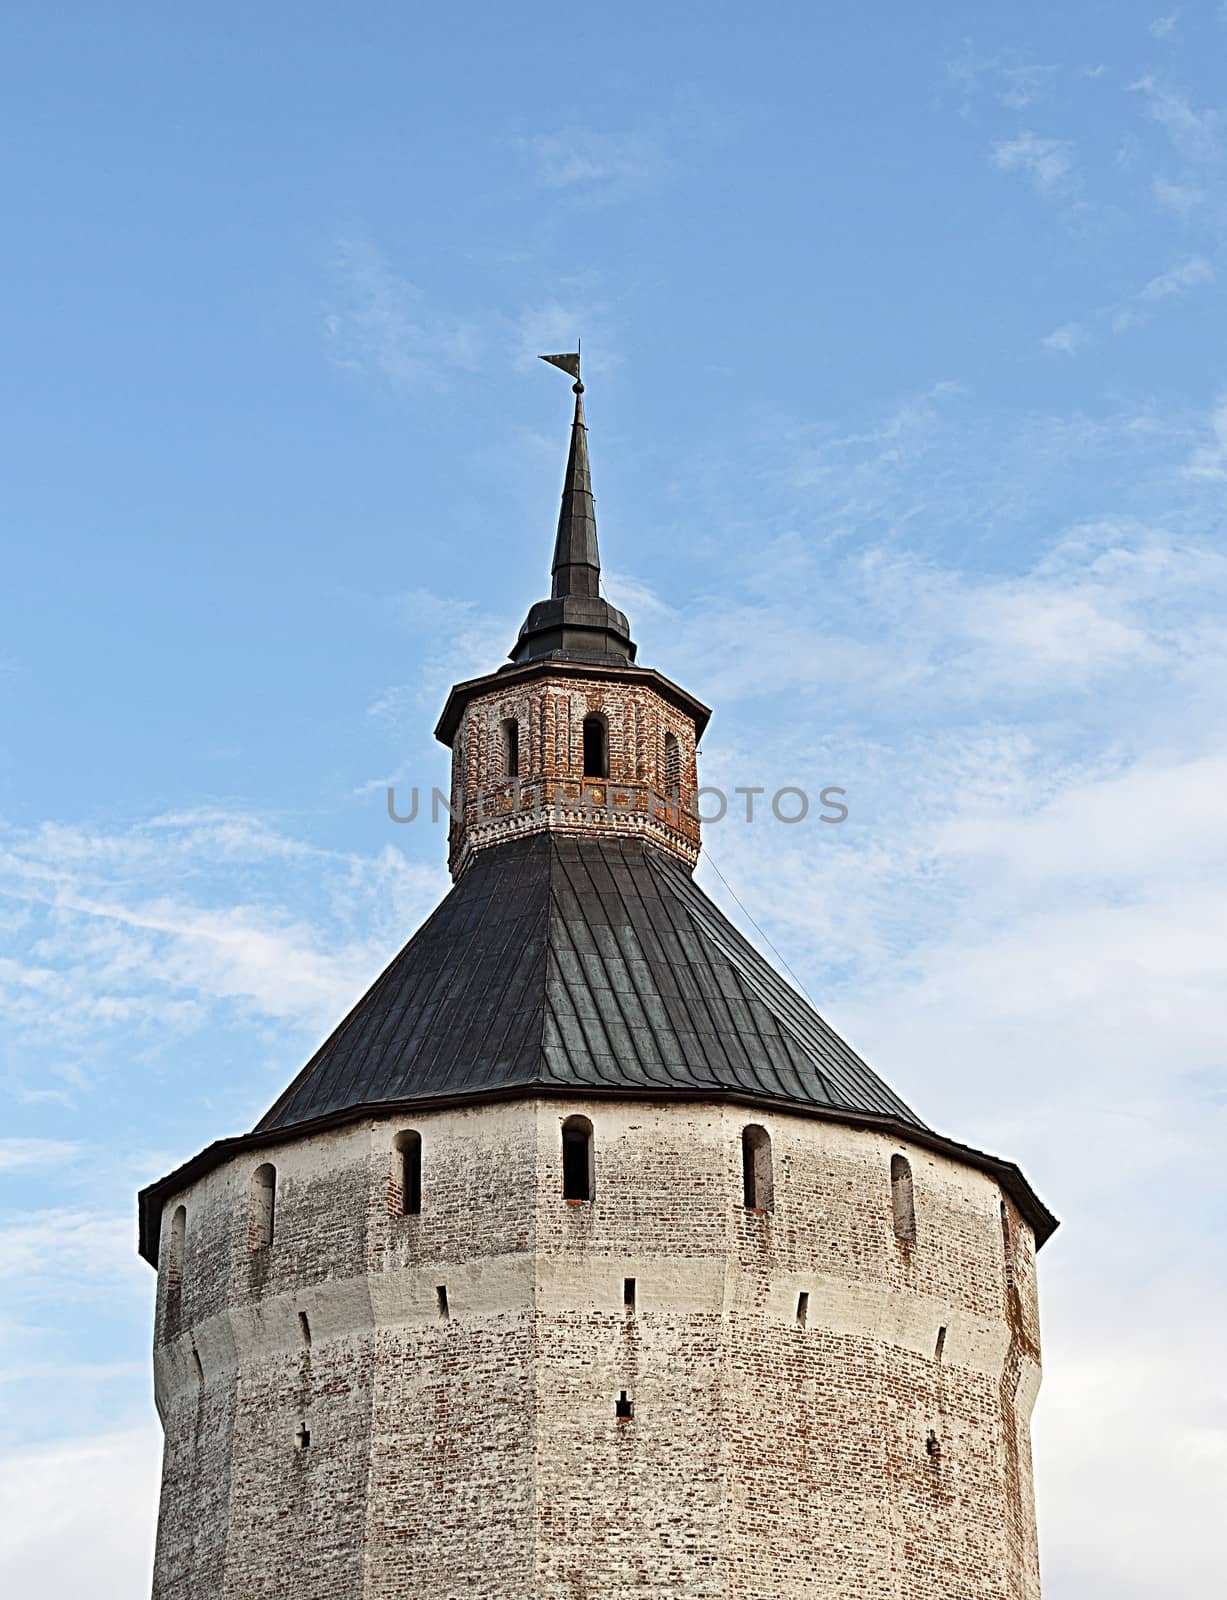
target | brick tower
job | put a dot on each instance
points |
(584, 1261)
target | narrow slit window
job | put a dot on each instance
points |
(758, 1181)
(174, 1261)
(441, 1298)
(511, 747)
(903, 1199)
(198, 1366)
(577, 1159)
(624, 1407)
(304, 1329)
(940, 1347)
(263, 1207)
(408, 1146)
(302, 1439)
(628, 1293)
(673, 763)
(596, 747)
(802, 1309)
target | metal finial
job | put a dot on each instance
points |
(569, 363)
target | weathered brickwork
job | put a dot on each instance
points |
(649, 792)
(468, 1443)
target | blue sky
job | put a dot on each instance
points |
(904, 345)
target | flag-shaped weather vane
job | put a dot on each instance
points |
(568, 363)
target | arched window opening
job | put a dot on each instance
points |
(510, 733)
(263, 1206)
(757, 1178)
(673, 763)
(578, 1176)
(596, 747)
(174, 1260)
(903, 1200)
(408, 1147)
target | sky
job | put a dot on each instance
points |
(903, 340)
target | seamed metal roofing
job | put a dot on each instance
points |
(586, 966)
(581, 963)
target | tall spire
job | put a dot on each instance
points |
(575, 623)
(577, 560)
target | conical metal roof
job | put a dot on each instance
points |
(584, 964)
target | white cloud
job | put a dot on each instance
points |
(1181, 198)
(1134, 310)
(560, 323)
(77, 1517)
(1012, 84)
(1164, 27)
(1176, 280)
(24, 1153)
(1070, 336)
(1088, 612)
(67, 1245)
(1049, 163)
(382, 323)
(1209, 460)
(597, 167)
(1194, 133)
(108, 951)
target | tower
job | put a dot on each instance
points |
(584, 1259)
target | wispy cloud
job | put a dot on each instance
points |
(1189, 274)
(1133, 310)
(19, 1154)
(65, 1244)
(1209, 459)
(1070, 336)
(1195, 134)
(1164, 27)
(558, 322)
(379, 322)
(171, 923)
(597, 168)
(1048, 163)
(1082, 616)
(1180, 198)
(1010, 83)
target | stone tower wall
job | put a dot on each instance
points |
(639, 797)
(859, 1453)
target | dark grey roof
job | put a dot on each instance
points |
(591, 966)
(574, 963)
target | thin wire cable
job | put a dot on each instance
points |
(712, 860)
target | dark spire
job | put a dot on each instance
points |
(575, 623)
(577, 560)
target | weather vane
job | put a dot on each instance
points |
(569, 363)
